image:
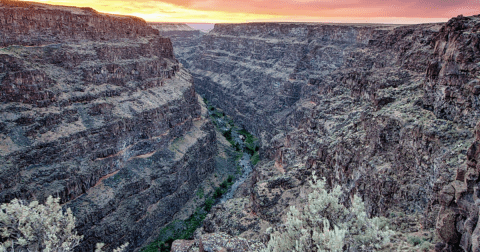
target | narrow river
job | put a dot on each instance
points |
(236, 136)
(247, 168)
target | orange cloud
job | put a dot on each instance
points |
(156, 11)
(237, 11)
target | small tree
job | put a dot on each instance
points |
(324, 224)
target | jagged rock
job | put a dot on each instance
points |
(183, 246)
(217, 242)
(451, 88)
(457, 223)
(233, 218)
(96, 110)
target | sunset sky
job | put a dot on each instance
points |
(239, 11)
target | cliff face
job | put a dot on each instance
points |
(385, 111)
(452, 78)
(96, 110)
(270, 65)
(457, 224)
(54, 24)
(451, 92)
(187, 40)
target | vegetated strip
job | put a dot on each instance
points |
(250, 143)
(184, 229)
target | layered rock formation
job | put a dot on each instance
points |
(386, 111)
(96, 110)
(172, 27)
(187, 40)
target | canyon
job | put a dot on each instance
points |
(102, 111)
(386, 111)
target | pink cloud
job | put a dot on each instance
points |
(345, 8)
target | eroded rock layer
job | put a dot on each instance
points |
(187, 40)
(96, 110)
(386, 111)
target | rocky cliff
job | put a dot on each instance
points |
(96, 110)
(187, 40)
(386, 111)
(451, 92)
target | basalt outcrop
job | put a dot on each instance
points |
(457, 222)
(452, 93)
(386, 111)
(96, 110)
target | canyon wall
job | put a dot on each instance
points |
(96, 110)
(187, 40)
(386, 111)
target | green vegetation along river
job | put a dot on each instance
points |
(246, 156)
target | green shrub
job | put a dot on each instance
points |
(218, 193)
(425, 246)
(178, 229)
(237, 147)
(414, 240)
(228, 134)
(39, 227)
(324, 224)
(200, 193)
(249, 150)
(208, 204)
(224, 184)
(255, 158)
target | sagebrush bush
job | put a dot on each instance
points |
(39, 227)
(324, 224)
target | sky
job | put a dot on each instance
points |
(241, 11)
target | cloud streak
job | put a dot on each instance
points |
(409, 8)
(233, 11)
